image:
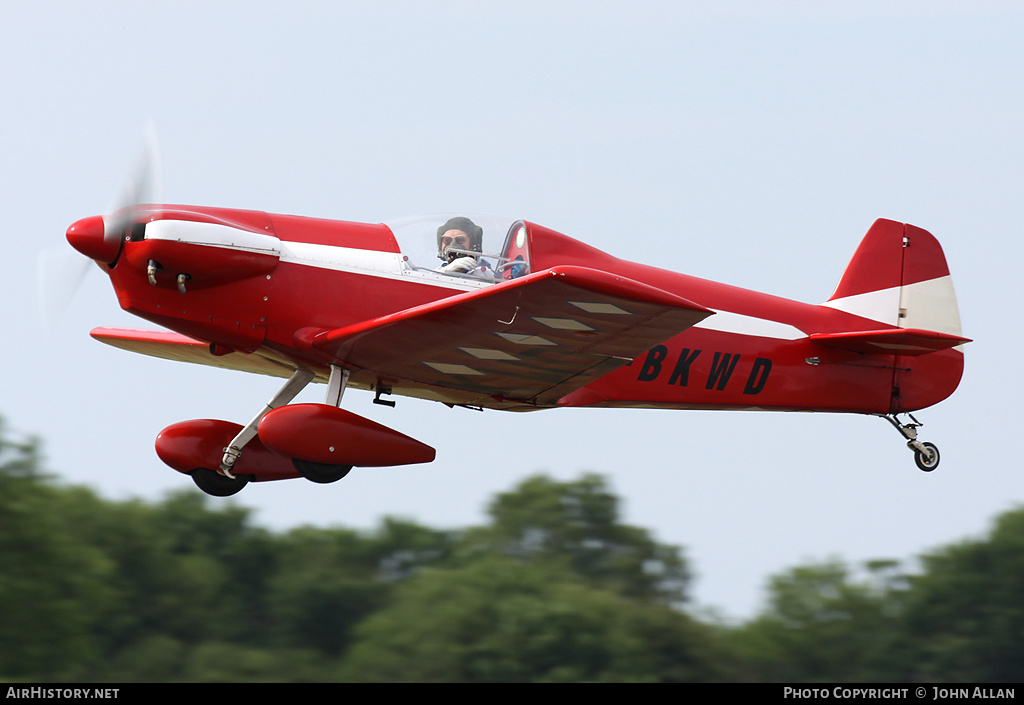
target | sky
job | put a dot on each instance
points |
(726, 140)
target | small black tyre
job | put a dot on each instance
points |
(927, 461)
(320, 473)
(213, 483)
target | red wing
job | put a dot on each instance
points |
(524, 343)
(180, 348)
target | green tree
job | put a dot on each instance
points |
(497, 619)
(821, 625)
(47, 573)
(965, 613)
(328, 580)
(555, 588)
(576, 525)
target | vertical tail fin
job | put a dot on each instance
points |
(898, 276)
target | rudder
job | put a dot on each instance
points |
(898, 276)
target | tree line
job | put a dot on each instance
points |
(554, 587)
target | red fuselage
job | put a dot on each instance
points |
(286, 279)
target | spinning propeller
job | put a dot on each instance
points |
(99, 238)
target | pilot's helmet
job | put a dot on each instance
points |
(475, 232)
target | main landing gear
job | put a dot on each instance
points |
(320, 473)
(213, 483)
(926, 455)
(223, 483)
(320, 442)
(295, 384)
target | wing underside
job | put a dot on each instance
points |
(523, 344)
(179, 348)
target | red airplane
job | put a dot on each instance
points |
(496, 313)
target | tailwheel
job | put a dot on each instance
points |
(320, 473)
(213, 483)
(926, 457)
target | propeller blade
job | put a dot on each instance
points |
(61, 271)
(143, 185)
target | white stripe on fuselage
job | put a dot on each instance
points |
(388, 265)
(882, 305)
(740, 324)
(392, 265)
(212, 235)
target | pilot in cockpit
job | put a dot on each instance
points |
(458, 241)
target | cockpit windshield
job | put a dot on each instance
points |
(482, 248)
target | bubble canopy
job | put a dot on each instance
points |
(494, 250)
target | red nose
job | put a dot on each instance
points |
(89, 237)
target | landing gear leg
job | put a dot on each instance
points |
(926, 455)
(336, 385)
(289, 391)
(319, 472)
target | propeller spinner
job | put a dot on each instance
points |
(91, 237)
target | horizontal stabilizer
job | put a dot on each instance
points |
(898, 341)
